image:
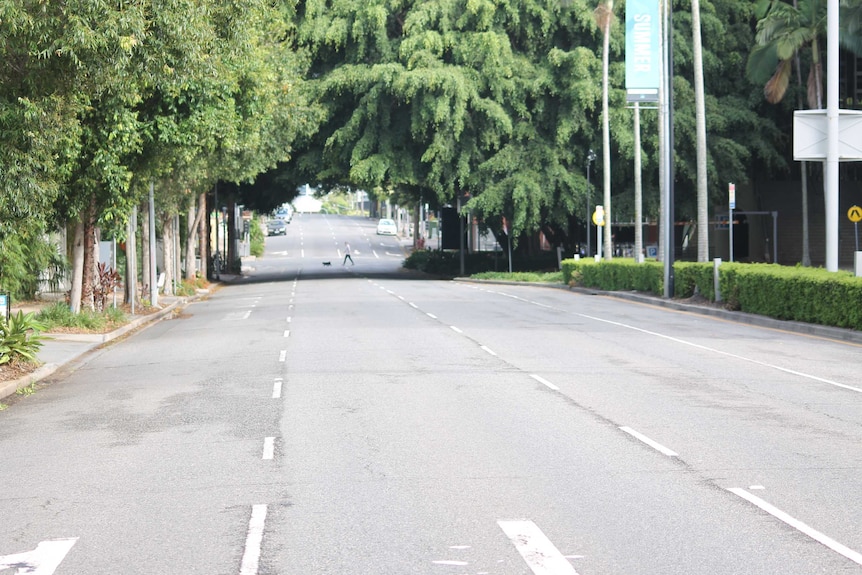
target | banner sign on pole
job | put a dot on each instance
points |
(643, 55)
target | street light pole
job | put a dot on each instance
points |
(590, 159)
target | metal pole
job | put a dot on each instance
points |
(832, 136)
(775, 237)
(667, 109)
(460, 234)
(131, 259)
(509, 241)
(590, 159)
(730, 228)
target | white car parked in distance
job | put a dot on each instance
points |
(386, 228)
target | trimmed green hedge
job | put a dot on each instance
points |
(811, 295)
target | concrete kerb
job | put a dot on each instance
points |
(90, 341)
(827, 332)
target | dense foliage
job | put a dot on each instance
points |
(492, 102)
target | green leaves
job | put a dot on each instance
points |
(20, 338)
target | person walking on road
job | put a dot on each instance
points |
(347, 254)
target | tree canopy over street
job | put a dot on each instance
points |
(499, 101)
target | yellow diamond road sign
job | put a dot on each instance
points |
(855, 214)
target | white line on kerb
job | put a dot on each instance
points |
(268, 447)
(545, 382)
(850, 554)
(251, 556)
(282, 355)
(724, 353)
(276, 389)
(536, 549)
(650, 442)
(489, 350)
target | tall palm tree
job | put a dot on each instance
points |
(604, 15)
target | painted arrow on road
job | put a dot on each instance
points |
(42, 560)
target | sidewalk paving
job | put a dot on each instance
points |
(64, 348)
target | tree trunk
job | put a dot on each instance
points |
(88, 276)
(203, 234)
(193, 222)
(145, 249)
(131, 294)
(168, 253)
(77, 268)
(700, 121)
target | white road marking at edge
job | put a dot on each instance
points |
(650, 442)
(724, 353)
(545, 382)
(251, 555)
(42, 560)
(850, 554)
(536, 549)
(282, 355)
(276, 388)
(706, 348)
(268, 447)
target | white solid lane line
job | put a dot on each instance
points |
(850, 554)
(657, 446)
(545, 382)
(251, 556)
(536, 549)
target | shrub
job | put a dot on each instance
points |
(256, 237)
(58, 314)
(20, 338)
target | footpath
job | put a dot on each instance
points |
(60, 349)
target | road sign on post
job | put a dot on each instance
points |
(599, 220)
(855, 215)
